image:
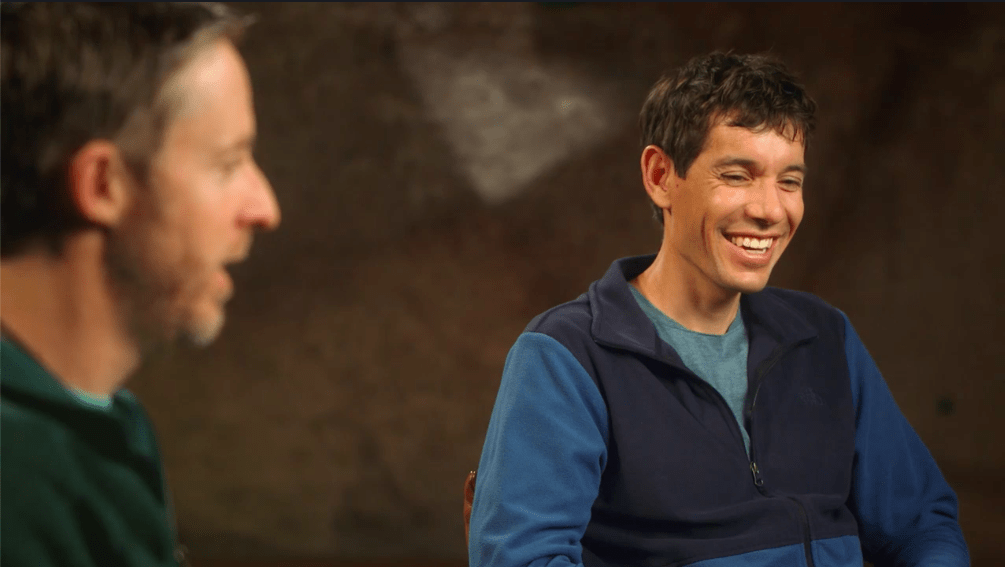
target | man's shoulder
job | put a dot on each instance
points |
(58, 462)
(38, 455)
(36, 432)
(808, 307)
(801, 300)
(566, 320)
(18, 418)
(33, 439)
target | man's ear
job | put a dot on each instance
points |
(658, 175)
(100, 183)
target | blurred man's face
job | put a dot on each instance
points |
(204, 198)
(737, 209)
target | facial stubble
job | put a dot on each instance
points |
(158, 287)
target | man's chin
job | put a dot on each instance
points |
(203, 332)
(749, 284)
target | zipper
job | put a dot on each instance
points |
(804, 526)
(758, 480)
(762, 370)
(735, 426)
(755, 471)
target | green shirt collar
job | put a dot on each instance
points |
(19, 371)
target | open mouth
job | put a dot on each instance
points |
(752, 245)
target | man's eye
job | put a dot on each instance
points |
(734, 177)
(792, 184)
(230, 167)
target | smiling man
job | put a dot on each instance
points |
(128, 187)
(681, 412)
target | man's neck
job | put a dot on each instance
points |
(685, 298)
(61, 310)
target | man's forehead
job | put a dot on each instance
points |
(729, 144)
(210, 70)
(212, 101)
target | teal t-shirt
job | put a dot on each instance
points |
(92, 400)
(720, 360)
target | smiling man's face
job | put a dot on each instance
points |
(734, 214)
(204, 198)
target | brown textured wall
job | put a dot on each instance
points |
(448, 171)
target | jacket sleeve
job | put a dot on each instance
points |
(906, 511)
(540, 469)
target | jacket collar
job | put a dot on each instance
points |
(26, 382)
(20, 372)
(619, 322)
(21, 375)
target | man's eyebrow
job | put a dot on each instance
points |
(801, 168)
(247, 143)
(729, 160)
(752, 164)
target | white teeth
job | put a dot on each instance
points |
(759, 244)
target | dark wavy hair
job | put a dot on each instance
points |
(74, 72)
(752, 91)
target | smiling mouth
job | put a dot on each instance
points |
(753, 245)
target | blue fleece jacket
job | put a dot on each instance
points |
(603, 449)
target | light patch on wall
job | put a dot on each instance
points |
(507, 117)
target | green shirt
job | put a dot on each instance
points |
(81, 485)
(720, 360)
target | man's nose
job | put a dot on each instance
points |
(261, 209)
(765, 203)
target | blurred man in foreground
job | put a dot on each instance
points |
(128, 186)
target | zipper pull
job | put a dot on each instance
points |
(758, 480)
